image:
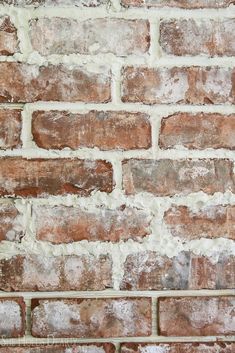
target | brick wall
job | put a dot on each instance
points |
(117, 205)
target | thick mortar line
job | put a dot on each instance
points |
(149, 339)
(109, 293)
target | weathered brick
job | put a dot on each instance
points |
(182, 85)
(8, 37)
(210, 222)
(11, 222)
(196, 316)
(61, 224)
(198, 131)
(149, 271)
(60, 273)
(105, 130)
(61, 348)
(195, 347)
(42, 177)
(10, 128)
(50, 36)
(12, 317)
(195, 37)
(93, 318)
(52, 3)
(22, 83)
(168, 177)
(186, 4)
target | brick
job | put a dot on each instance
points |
(61, 224)
(12, 317)
(210, 222)
(61, 348)
(104, 130)
(196, 316)
(182, 85)
(42, 177)
(27, 273)
(186, 4)
(198, 131)
(91, 318)
(168, 177)
(196, 37)
(11, 222)
(149, 271)
(50, 36)
(52, 3)
(10, 128)
(20, 83)
(195, 347)
(8, 37)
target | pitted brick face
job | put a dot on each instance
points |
(196, 37)
(172, 177)
(12, 317)
(52, 3)
(56, 348)
(222, 347)
(11, 222)
(60, 273)
(196, 316)
(105, 130)
(43, 177)
(210, 222)
(61, 224)
(178, 85)
(129, 37)
(185, 4)
(198, 131)
(91, 317)
(8, 37)
(10, 129)
(22, 83)
(149, 271)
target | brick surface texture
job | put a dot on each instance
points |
(117, 176)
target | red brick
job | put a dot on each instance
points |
(42, 177)
(61, 224)
(61, 348)
(195, 37)
(52, 3)
(11, 222)
(22, 83)
(61, 273)
(12, 317)
(182, 85)
(196, 316)
(195, 347)
(210, 222)
(149, 271)
(105, 130)
(8, 37)
(198, 131)
(92, 36)
(10, 128)
(186, 4)
(91, 318)
(168, 177)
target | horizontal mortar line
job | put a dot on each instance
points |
(148, 339)
(91, 200)
(99, 60)
(157, 109)
(112, 155)
(119, 294)
(142, 13)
